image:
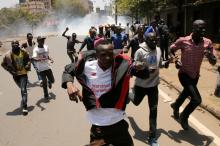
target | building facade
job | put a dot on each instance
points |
(34, 7)
(183, 19)
(47, 3)
(22, 1)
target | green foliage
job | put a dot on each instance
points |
(137, 8)
(71, 7)
(10, 16)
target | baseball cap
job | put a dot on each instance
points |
(41, 38)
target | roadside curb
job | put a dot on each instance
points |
(206, 107)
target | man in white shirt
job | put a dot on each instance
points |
(29, 46)
(127, 31)
(41, 56)
(105, 82)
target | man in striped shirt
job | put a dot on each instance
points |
(193, 48)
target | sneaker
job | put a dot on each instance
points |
(47, 97)
(49, 85)
(175, 111)
(24, 111)
(184, 122)
(41, 83)
(153, 142)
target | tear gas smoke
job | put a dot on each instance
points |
(57, 24)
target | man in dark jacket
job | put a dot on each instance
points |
(17, 63)
(105, 84)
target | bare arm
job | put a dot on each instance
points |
(82, 46)
(64, 33)
(77, 41)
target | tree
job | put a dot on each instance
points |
(138, 8)
(11, 18)
(71, 7)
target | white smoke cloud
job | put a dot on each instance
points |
(79, 25)
(57, 24)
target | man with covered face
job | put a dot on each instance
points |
(150, 55)
(17, 63)
(193, 48)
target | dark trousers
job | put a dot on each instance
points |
(47, 77)
(152, 94)
(189, 89)
(164, 49)
(116, 134)
(21, 81)
(72, 55)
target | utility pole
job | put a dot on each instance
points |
(185, 17)
(116, 13)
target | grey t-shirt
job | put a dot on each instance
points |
(153, 59)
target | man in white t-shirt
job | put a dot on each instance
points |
(29, 46)
(105, 82)
(42, 58)
(127, 31)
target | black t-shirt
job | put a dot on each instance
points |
(89, 42)
(134, 45)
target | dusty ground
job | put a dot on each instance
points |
(206, 85)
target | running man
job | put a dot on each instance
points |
(136, 41)
(17, 63)
(89, 40)
(71, 41)
(41, 56)
(29, 47)
(105, 81)
(119, 40)
(149, 54)
(193, 48)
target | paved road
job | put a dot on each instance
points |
(63, 123)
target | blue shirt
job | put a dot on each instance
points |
(118, 40)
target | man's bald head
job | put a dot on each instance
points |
(199, 28)
(197, 23)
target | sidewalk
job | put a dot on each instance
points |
(206, 85)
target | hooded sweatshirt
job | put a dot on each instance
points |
(152, 58)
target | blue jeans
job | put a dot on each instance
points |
(21, 81)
